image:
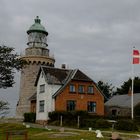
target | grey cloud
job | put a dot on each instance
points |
(95, 36)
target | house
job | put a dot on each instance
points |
(120, 105)
(65, 90)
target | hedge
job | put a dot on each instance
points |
(127, 125)
(71, 119)
(29, 117)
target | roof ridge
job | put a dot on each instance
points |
(74, 72)
(84, 76)
(66, 82)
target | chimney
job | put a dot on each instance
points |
(63, 66)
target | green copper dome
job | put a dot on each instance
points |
(37, 27)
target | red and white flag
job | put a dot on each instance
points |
(136, 57)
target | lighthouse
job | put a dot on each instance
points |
(36, 54)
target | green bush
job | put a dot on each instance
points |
(82, 113)
(137, 110)
(127, 125)
(55, 115)
(29, 117)
(85, 123)
(95, 123)
(101, 123)
(71, 119)
(137, 120)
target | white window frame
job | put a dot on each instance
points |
(72, 88)
(90, 90)
(81, 88)
(91, 107)
(42, 88)
(41, 105)
(71, 105)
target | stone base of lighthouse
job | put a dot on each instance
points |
(27, 81)
(27, 89)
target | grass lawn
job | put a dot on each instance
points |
(43, 134)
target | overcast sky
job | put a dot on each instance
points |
(96, 36)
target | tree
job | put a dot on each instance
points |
(106, 88)
(127, 85)
(9, 62)
(4, 109)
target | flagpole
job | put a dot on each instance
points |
(132, 94)
(132, 97)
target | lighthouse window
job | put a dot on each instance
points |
(42, 88)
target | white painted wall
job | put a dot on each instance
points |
(47, 97)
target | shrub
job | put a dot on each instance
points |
(137, 120)
(29, 117)
(127, 125)
(71, 119)
(137, 110)
(101, 123)
(82, 113)
(85, 123)
(55, 115)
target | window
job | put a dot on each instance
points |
(91, 107)
(42, 88)
(90, 89)
(41, 106)
(81, 89)
(72, 88)
(71, 105)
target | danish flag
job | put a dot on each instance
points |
(136, 57)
